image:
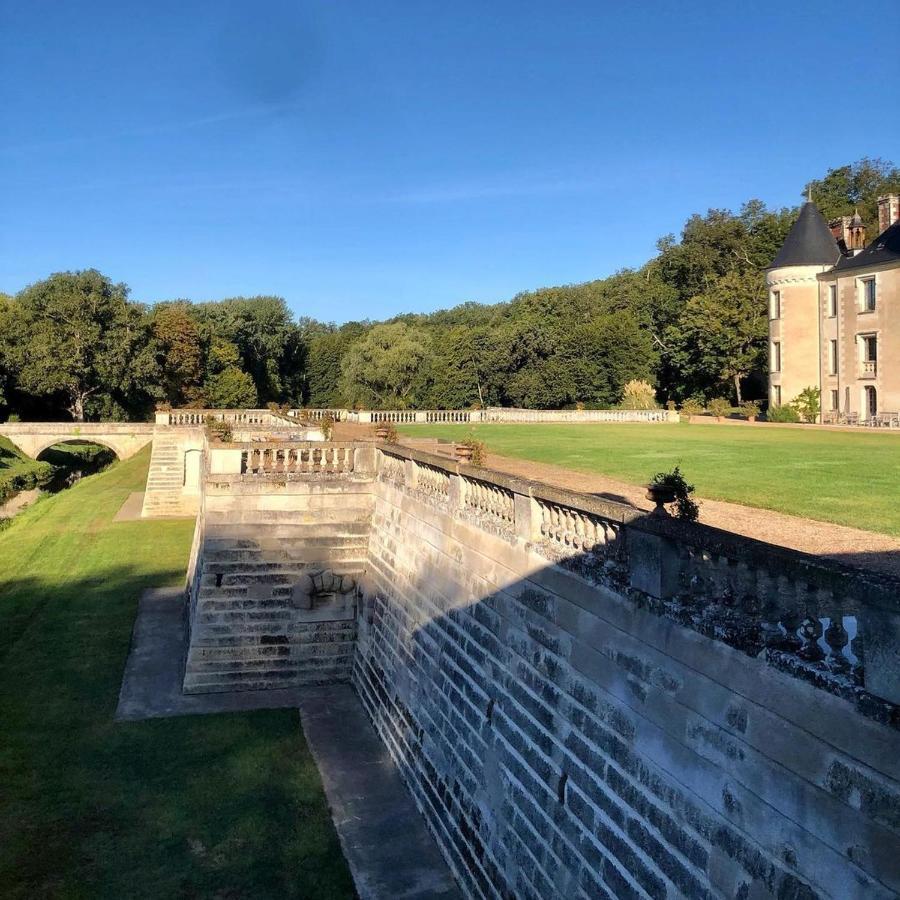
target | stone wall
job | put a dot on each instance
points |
(588, 702)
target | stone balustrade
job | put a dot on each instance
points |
(291, 459)
(498, 414)
(414, 416)
(233, 416)
(816, 619)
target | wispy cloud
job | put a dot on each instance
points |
(171, 127)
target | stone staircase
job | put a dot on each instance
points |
(164, 495)
(247, 634)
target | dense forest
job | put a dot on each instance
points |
(691, 321)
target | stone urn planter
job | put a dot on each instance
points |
(463, 453)
(660, 494)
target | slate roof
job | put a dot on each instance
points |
(809, 243)
(884, 249)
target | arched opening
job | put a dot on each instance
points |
(74, 458)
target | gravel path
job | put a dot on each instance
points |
(852, 546)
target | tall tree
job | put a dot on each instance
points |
(74, 335)
(721, 336)
(178, 353)
(389, 367)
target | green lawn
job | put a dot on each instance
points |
(852, 478)
(225, 806)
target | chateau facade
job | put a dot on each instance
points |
(834, 315)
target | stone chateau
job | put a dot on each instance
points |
(834, 309)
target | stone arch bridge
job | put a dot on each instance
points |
(33, 438)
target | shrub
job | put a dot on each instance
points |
(219, 430)
(326, 423)
(750, 408)
(808, 404)
(387, 432)
(785, 413)
(670, 405)
(685, 507)
(692, 407)
(12, 483)
(639, 395)
(479, 451)
(719, 407)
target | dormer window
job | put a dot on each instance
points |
(867, 294)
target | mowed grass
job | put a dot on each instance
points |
(225, 806)
(852, 478)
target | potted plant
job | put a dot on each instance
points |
(750, 408)
(719, 407)
(672, 487)
(470, 451)
(690, 408)
(386, 433)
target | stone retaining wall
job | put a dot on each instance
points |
(581, 704)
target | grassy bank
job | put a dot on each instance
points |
(211, 806)
(852, 478)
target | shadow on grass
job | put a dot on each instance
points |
(223, 805)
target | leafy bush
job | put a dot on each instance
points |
(750, 408)
(639, 395)
(719, 407)
(479, 451)
(12, 483)
(326, 423)
(692, 407)
(219, 430)
(685, 507)
(387, 431)
(785, 413)
(808, 404)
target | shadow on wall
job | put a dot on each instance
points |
(562, 733)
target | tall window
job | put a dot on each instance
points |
(776, 394)
(867, 286)
(832, 300)
(775, 305)
(775, 362)
(834, 400)
(832, 357)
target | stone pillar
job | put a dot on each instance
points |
(528, 517)
(653, 563)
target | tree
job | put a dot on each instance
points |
(325, 349)
(721, 336)
(178, 353)
(75, 336)
(857, 186)
(387, 368)
(230, 389)
(267, 340)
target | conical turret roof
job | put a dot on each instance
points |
(809, 243)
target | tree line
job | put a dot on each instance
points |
(692, 321)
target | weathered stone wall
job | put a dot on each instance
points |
(273, 600)
(566, 737)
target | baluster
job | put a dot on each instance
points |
(790, 621)
(811, 631)
(837, 638)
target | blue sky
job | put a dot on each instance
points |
(363, 159)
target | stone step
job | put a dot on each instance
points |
(240, 681)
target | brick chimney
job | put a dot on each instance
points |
(888, 211)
